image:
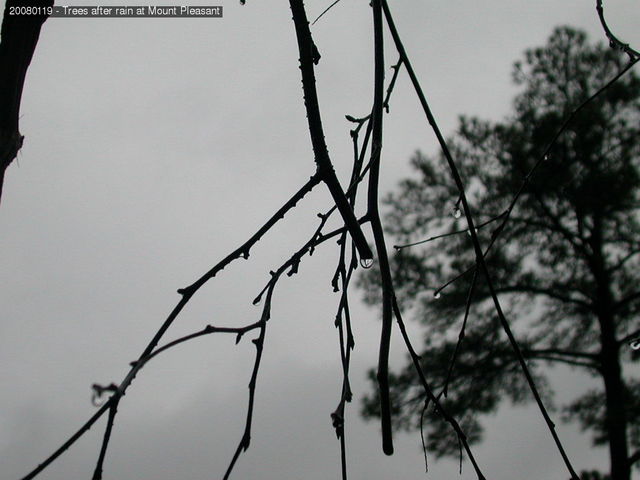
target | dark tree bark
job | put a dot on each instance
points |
(614, 387)
(19, 38)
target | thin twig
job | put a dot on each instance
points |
(422, 439)
(291, 266)
(415, 358)
(208, 330)
(113, 409)
(241, 252)
(243, 445)
(325, 11)
(449, 234)
(506, 215)
(462, 332)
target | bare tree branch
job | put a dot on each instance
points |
(474, 238)
(243, 445)
(325, 11)
(462, 331)
(415, 359)
(449, 234)
(113, 409)
(241, 252)
(613, 40)
(308, 56)
(378, 232)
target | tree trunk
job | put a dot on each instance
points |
(614, 387)
(616, 414)
(19, 38)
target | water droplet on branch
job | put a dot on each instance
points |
(437, 294)
(366, 262)
(457, 213)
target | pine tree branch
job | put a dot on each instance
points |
(591, 360)
(626, 300)
(561, 352)
(540, 225)
(620, 263)
(557, 225)
(629, 338)
(574, 363)
(544, 291)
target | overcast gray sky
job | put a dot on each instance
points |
(156, 146)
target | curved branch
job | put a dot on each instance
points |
(613, 40)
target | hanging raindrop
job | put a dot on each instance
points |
(366, 262)
(437, 294)
(457, 213)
